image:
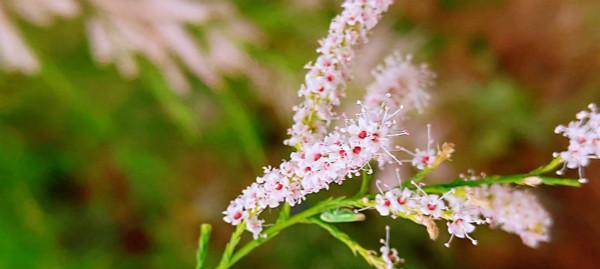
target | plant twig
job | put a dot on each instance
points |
(515, 179)
(284, 213)
(205, 230)
(298, 218)
(553, 165)
(368, 255)
(364, 185)
(230, 248)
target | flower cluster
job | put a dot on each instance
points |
(326, 78)
(347, 150)
(343, 153)
(399, 83)
(584, 140)
(515, 211)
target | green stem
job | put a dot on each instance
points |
(365, 184)
(284, 213)
(205, 230)
(515, 179)
(553, 165)
(230, 248)
(298, 218)
(355, 247)
(421, 174)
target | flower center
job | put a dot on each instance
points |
(237, 216)
(375, 137)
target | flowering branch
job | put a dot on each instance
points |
(308, 215)
(324, 158)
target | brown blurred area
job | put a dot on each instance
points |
(552, 49)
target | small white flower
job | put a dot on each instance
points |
(235, 212)
(431, 205)
(402, 200)
(584, 140)
(425, 158)
(254, 225)
(389, 255)
(383, 204)
(461, 227)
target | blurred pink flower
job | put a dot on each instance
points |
(120, 30)
(15, 54)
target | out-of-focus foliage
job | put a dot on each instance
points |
(101, 172)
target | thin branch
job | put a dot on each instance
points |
(205, 230)
(298, 218)
(230, 248)
(365, 184)
(368, 255)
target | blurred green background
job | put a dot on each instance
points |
(98, 171)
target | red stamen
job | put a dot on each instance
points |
(356, 150)
(362, 134)
(237, 216)
(375, 137)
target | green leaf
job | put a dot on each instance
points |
(341, 215)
